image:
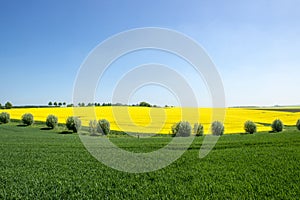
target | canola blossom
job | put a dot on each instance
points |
(160, 120)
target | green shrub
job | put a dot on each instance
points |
(4, 117)
(51, 121)
(217, 128)
(93, 127)
(27, 119)
(250, 127)
(198, 129)
(73, 124)
(277, 125)
(103, 127)
(182, 129)
(298, 124)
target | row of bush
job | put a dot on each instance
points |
(184, 128)
(181, 129)
(72, 123)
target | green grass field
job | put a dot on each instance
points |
(43, 164)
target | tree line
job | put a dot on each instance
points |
(9, 105)
(82, 104)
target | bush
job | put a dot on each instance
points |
(182, 129)
(73, 124)
(93, 127)
(103, 127)
(4, 117)
(51, 121)
(250, 127)
(217, 128)
(298, 124)
(198, 129)
(27, 119)
(277, 125)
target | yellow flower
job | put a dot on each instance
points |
(160, 120)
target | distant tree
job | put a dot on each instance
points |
(59, 104)
(0, 106)
(64, 103)
(144, 104)
(55, 103)
(8, 105)
(70, 105)
(81, 104)
(50, 103)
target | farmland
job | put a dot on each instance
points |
(160, 120)
(45, 164)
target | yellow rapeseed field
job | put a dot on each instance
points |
(160, 120)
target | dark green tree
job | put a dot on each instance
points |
(144, 104)
(8, 105)
(81, 104)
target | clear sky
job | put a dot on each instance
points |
(254, 44)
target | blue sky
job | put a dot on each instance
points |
(254, 44)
